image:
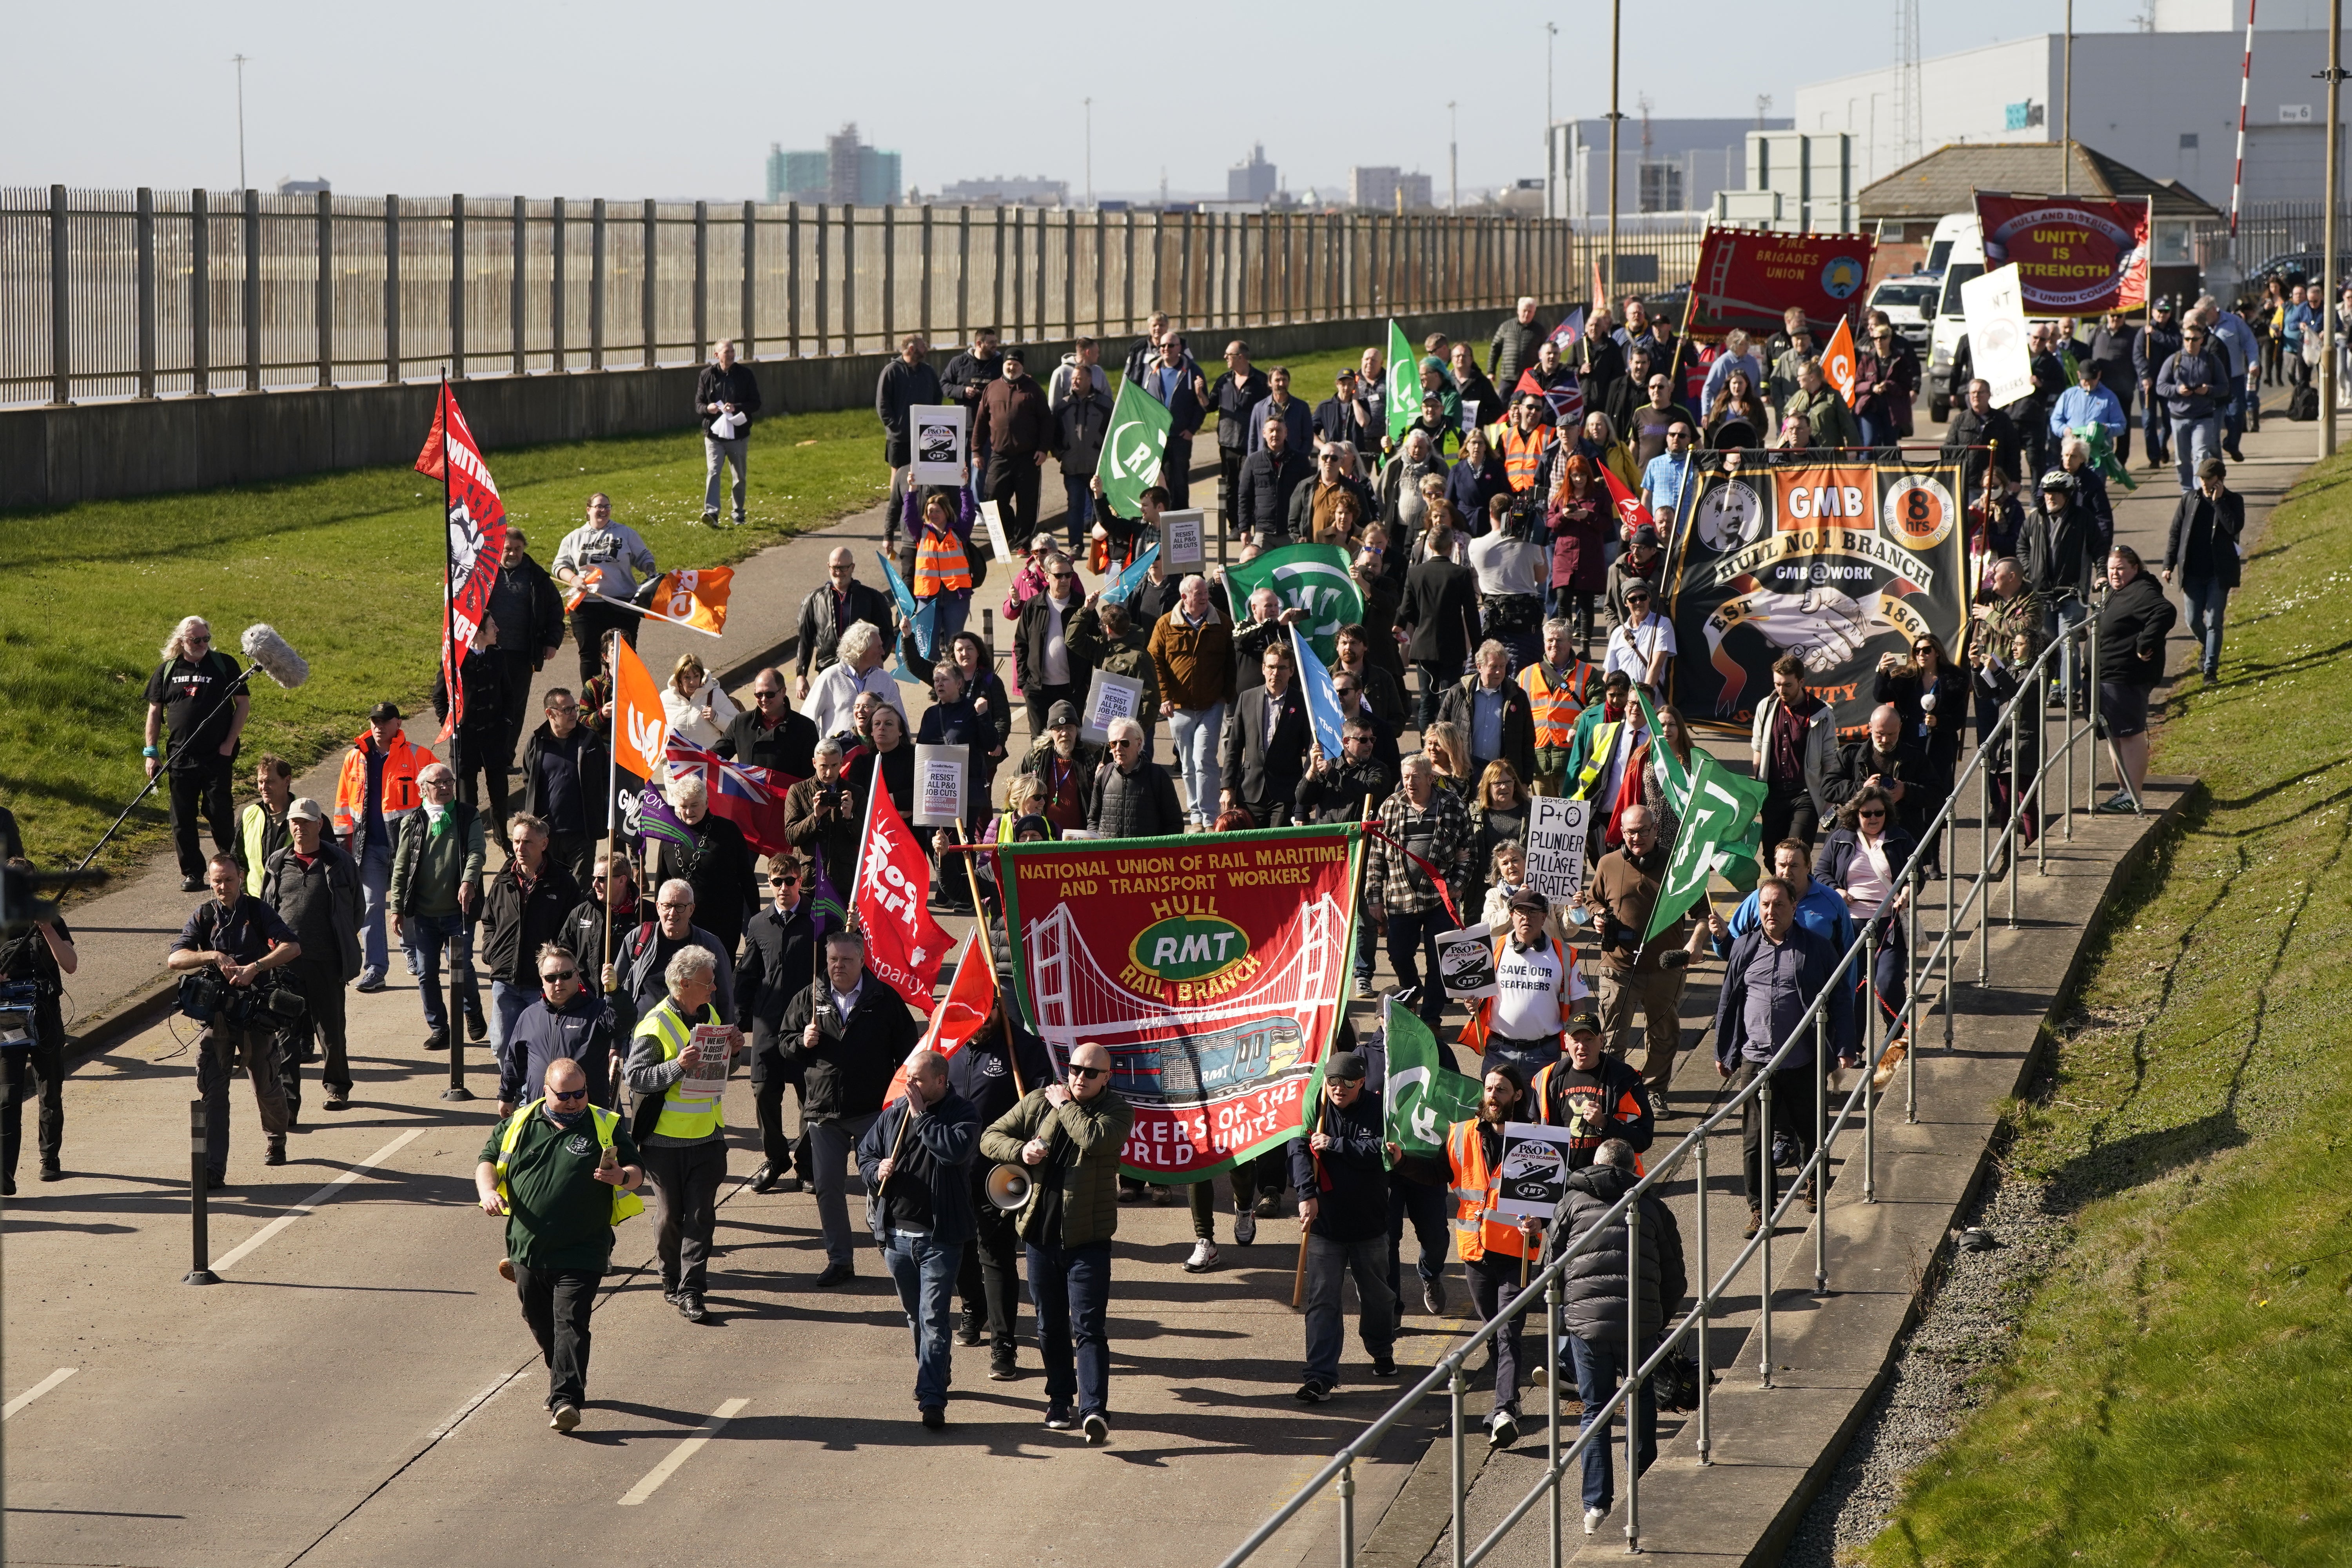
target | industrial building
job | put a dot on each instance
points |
(847, 170)
(1662, 165)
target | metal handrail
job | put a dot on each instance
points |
(1449, 1370)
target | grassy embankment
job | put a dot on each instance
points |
(2178, 1389)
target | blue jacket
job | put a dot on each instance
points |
(2096, 406)
(1820, 912)
(937, 1151)
(2239, 338)
(1844, 846)
(585, 1030)
(1818, 964)
(2207, 369)
(1297, 420)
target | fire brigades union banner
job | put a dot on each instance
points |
(1211, 967)
(1836, 563)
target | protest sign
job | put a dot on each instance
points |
(940, 432)
(1556, 829)
(1465, 962)
(1533, 1173)
(1180, 539)
(1214, 971)
(706, 1063)
(1994, 304)
(1108, 697)
(1000, 547)
(939, 773)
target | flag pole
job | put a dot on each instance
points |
(456, 1090)
(987, 952)
(611, 976)
(635, 608)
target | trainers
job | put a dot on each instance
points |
(477, 1026)
(2117, 804)
(1503, 1430)
(1245, 1229)
(370, 982)
(1384, 1366)
(1097, 1430)
(1059, 1419)
(1002, 1367)
(1433, 1297)
(564, 1416)
(1127, 1195)
(1204, 1257)
(1592, 1517)
(934, 1417)
(968, 1331)
(1161, 1196)
(338, 1099)
(1784, 1151)
(1314, 1391)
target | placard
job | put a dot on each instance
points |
(706, 1059)
(1181, 544)
(1465, 962)
(1533, 1173)
(1994, 304)
(1108, 697)
(1556, 829)
(940, 433)
(997, 540)
(940, 775)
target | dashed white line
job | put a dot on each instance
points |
(9, 1410)
(229, 1258)
(682, 1453)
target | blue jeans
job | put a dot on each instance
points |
(924, 1269)
(2156, 424)
(2063, 618)
(1078, 489)
(427, 936)
(1070, 1288)
(954, 610)
(2206, 598)
(1327, 1262)
(2193, 441)
(375, 889)
(1599, 1365)
(506, 1002)
(1530, 1058)
(1412, 940)
(980, 492)
(1196, 735)
(1893, 977)
(1425, 1207)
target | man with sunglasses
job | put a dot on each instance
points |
(613, 900)
(1051, 670)
(833, 609)
(779, 963)
(567, 1021)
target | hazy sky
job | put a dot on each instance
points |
(603, 97)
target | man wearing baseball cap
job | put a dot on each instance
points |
(1592, 1094)
(1017, 430)
(1343, 1185)
(1537, 985)
(314, 887)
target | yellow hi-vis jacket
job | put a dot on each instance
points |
(625, 1202)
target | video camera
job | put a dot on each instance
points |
(19, 999)
(206, 997)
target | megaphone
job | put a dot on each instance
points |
(1008, 1187)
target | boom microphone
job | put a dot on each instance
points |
(280, 663)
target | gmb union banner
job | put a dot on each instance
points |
(1834, 562)
(1748, 278)
(2074, 256)
(1211, 967)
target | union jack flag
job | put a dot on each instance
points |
(750, 796)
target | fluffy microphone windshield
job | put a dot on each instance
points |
(280, 663)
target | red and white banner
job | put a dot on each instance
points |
(477, 539)
(893, 904)
(2074, 256)
(1631, 513)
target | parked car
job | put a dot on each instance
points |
(1909, 302)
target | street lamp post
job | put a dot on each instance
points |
(238, 60)
(1616, 10)
(2330, 279)
(1090, 153)
(1551, 31)
(1452, 158)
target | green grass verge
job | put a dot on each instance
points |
(2177, 1394)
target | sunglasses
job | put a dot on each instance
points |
(559, 974)
(767, 696)
(197, 642)
(1090, 1072)
(792, 880)
(1866, 815)
(566, 1094)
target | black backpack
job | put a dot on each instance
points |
(2303, 403)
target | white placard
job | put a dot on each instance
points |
(1465, 962)
(939, 773)
(1995, 307)
(996, 522)
(1556, 830)
(1180, 539)
(938, 435)
(1534, 1171)
(706, 1059)
(1108, 697)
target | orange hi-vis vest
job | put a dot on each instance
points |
(1625, 1109)
(401, 763)
(1557, 706)
(1523, 456)
(1476, 1231)
(940, 564)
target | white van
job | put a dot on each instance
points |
(1957, 253)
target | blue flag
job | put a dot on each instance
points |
(1129, 581)
(1322, 699)
(923, 619)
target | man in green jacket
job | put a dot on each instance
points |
(1069, 1135)
(437, 895)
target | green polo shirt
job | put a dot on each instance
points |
(558, 1214)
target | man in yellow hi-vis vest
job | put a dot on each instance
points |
(686, 1148)
(562, 1172)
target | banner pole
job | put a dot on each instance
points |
(611, 976)
(988, 954)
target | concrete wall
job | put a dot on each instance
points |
(56, 456)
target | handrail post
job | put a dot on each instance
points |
(1984, 858)
(2041, 773)
(1915, 975)
(1347, 1504)
(1822, 1147)
(1551, 1409)
(1951, 920)
(1770, 1183)
(1632, 1387)
(1706, 1314)
(2016, 797)
(1461, 1523)
(2073, 676)
(2091, 783)
(1870, 1057)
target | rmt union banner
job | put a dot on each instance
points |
(1834, 562)
(1211, 967)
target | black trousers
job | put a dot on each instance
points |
(1176, 471)
(201, 787)
(479, 762)
(520, 670)
(989, 1278)
(220, 1051)
(590, 622)
(1792, 1113)
(782, 1151)
(321, 982)
(556, 1303)
(1229, 485)
(1014, 482)
(38, 1073)
(576, 853)
(1788, 813)
(686, 1191)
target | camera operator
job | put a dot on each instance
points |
(190, 690)
(243, 939)
(820, 819)
(315, 888)
(33, 966)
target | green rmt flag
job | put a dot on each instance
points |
(1310, 577)
(1131, 453)
(1422, 1096)
(1404, 383)
(1722, 815)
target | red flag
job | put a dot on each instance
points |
(476, 539)
(750, 796)
(1565, 401)
(970, 1000)
(892, 902)
(1631, 513)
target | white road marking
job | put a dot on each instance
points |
(229, 1258)
(9, 1410)
(683, 1452)
(474, 1404)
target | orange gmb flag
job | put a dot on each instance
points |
(1837, 360)
(640, 726)
(697, 596)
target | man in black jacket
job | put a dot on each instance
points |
(569, 1021)
(1886, 757)
(565, 770)
(526, 908)
(1513, 347)
(2158, 343)
(1496, 718)
(906, 382)
(845, 1036)
(2058, 546)
(1977, 423)
(1265, 743)
(768, 734)
(969, 374)
(833, 609)
(1049, 668)
(481, 744)
(1441, 611)
(612, 899)
(1134, 797)
(779, 963)
(1341, 1173)
(725, 397)
(315, 888)
(725, 889)
(1242, 388)
(1018, 431)
(529, 610)
(1270, 474)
